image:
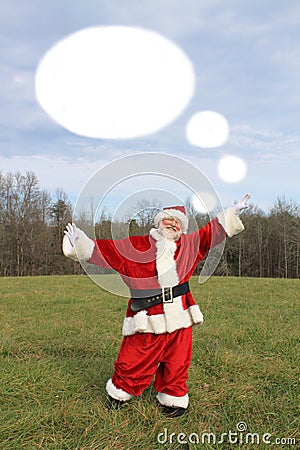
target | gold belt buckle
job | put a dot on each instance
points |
(167, 294)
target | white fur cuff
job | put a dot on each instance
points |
(231, 223)
(116, 393)
(83, 250)
(196, 314)
(171, 400)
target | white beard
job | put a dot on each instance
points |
(165, 262)
(169, 233)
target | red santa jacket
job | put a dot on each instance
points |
(152, 261)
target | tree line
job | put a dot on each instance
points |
(32, 225)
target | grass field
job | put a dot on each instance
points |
(61, 335)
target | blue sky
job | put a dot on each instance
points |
(246, 56)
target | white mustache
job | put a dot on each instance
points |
(170, 226)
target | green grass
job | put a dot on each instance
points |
(61, 335)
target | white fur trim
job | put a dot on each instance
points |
(84, 247)
(165, 263)
(172, 213)
(171, 400)
(231, 223)
(153, 324)
(174, 315)
(116, 393)
(161, 323)
(167, 276)
(156, 234)
(196, 314)
(136, 324)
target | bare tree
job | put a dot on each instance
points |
(284, 221)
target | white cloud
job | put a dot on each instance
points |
(264, 144)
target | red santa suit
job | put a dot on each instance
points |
(157, 340)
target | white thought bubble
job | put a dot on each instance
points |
(114, 82)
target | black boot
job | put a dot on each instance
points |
(114, 404)
(173, 411)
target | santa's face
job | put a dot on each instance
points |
(171, 228)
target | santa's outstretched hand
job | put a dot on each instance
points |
(241, 204)
(76, 244)
(72, 233)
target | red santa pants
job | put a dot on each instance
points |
(143, 355)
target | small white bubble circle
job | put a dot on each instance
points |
(207, 129)
(232, 169)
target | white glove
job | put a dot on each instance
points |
(72, 233)
(241, 204)
(74, 237)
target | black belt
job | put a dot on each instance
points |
(143, 299)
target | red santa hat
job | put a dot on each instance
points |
(174, 212)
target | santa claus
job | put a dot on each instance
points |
(157, 329)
